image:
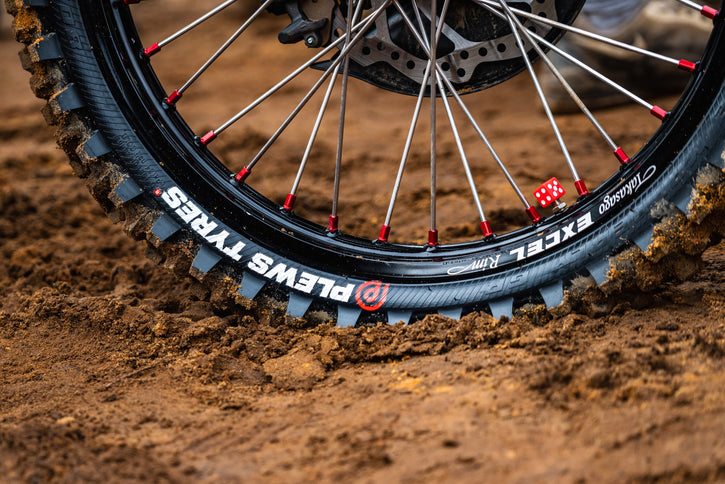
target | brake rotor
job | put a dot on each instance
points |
(477, 49)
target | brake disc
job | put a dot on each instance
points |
(477, 48)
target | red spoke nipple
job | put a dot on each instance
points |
(384, 233)
(242, 176)
(581, 188)
(709, 12)
(208, 138)
(687, 66)
(621, 156)
(432, 238)
(151, 50)
(659, 113)
(333, 223)
(289, 202)
(533, 214)
(173, 98)
(486, 228)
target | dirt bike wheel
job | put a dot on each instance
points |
(147, 169)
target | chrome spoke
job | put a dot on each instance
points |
(359, 29)
(485, 225)
(655, 110)
(433, 37)
(705, 10)
(333, 222)
(292, 116)
(530, 210)
(174, 97)
(292, 195)
(616, 149)
(385, 229)
(516, 26)
(433, 232)
(211, 135)
(156, 47)
(333, 67)
(681, 63)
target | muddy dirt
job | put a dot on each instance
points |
(114, 370)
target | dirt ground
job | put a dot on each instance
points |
(113, 370)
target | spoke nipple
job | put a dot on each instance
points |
(581, 188)
(709, 12)
(659, 113)
(432, 238)
(533, 215)
(621, 156)
(173, 98)
(687, 66)
(242, 176)
(332, 225)
(486, 229)
(151, 50)
(384, 233)
(289, 202)
(208, 138)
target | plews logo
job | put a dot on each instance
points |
(371, 295)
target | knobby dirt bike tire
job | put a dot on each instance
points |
(647, 224)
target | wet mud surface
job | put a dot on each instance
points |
(112, 369)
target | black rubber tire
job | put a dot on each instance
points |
(142, 164)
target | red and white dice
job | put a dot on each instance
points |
(549, 193)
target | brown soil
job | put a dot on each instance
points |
(114, 370)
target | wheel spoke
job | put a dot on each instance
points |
(655, 110)
(156, 47)
(485, 225)
(212, 135)
(421, 35)
(433, 37)
(435, 33)
(616, 149)
(174, 97)
(705, 10)
(516, 27)
(681, 63)
(359, 29)
(433, 232)
(292, 196)
(333, 223)
(385, 229)
(333, 67)
(531, 211)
